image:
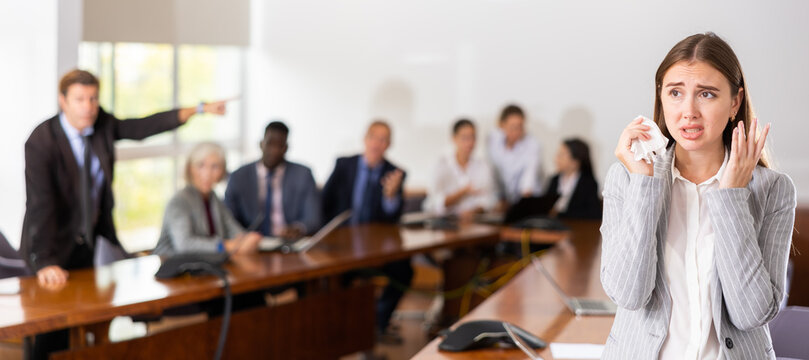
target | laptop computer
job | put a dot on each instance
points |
(531, 206)
(430, 221)
(529, 213)
(578, 306)
(520, 343)
(305, 243)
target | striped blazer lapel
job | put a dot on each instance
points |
(663, 171)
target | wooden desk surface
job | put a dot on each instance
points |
(535, 236)
(529, 301)
(128, 287)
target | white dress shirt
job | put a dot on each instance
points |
(449, 178)
(517, 168)
(567, 184)
(689, 267)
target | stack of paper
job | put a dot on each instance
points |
(576, 351)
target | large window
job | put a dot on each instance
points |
(140, 79)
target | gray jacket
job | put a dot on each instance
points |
(753, 227)
(185, 226)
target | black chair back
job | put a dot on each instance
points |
(11, 263)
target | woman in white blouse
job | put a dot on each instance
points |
(695, 245)
(462, 183)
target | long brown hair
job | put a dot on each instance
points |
(712, 50)
(580, 151)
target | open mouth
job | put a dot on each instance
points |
(691, 132)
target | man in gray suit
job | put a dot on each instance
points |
(282, 192)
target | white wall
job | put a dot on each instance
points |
(28, 57)
(69, 35)
(328, 67)
(38, 42)
(578, 67)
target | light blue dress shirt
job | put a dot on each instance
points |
(389, 206)
(74, 137)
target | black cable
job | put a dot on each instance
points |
(222, 274)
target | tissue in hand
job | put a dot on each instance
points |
(649, 149)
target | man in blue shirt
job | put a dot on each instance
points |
(371, 186)
(368, 184)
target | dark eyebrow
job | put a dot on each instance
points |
(703, 87)
(707, 87)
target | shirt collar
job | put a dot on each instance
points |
(675, 173)
(517, 143)
(571, 177)
(263, 171)
(72, 132)
(364, 164)
(451, 157)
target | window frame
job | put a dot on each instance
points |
(176, 148)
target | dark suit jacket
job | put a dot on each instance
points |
(585, 202)
(52, 219)
(339, 191)
(301, 200)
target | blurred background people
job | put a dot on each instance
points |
(196, 220)
(462, 183)
(283, 192)
(574, 182)
(516, 157)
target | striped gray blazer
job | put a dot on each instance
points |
(753, 227)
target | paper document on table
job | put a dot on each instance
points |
(9, 286)
(576, 351)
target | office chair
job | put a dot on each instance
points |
(788, 331)
(11, 263)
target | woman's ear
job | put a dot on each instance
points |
(736, 103)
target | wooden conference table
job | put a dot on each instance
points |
(529, 301)
(330, 321)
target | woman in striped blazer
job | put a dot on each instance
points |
(695, 245)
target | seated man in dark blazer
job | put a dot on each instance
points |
(283, 192)
(371, 187)
(69, 205)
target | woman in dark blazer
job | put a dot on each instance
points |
(574, 183)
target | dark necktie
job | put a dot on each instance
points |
(86, 180)
(268, 205)
(367, 205)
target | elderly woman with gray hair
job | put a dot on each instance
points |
(196, 220)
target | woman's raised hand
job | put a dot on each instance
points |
(745, 152)
(635, 130)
